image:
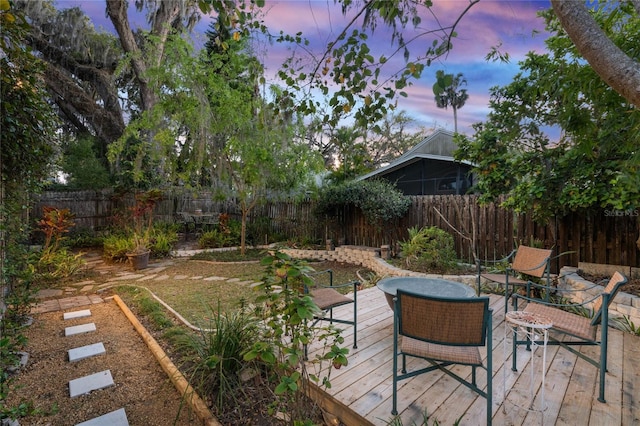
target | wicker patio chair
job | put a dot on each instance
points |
(444, 332)
(577, 330)
(525, 260)
(325, 295)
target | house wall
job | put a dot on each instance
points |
(431, 177)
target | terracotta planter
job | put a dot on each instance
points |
(139, 260)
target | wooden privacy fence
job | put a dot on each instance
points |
(605, 236)
(492, 232)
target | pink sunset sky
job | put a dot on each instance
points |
(511, 24)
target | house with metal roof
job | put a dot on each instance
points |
(428, 168)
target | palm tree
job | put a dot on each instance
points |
(447, 94)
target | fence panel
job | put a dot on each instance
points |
(488, 230)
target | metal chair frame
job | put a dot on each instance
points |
(557, 313)
(525, 260)
(434, 342)
(331, 298)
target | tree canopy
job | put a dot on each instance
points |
(448, 93)
(595, 163)
(121, 89)
(617, 66)
(27, 122)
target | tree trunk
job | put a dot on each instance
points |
(117, 11)
(455, 119)
(614, 66)
(243, 232)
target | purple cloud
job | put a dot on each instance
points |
(488, 23)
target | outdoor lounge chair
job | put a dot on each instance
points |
(443, 331)
(573, 329)
(526, 260)
(326, 297)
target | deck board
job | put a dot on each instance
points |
(571, 389)
(631, 382)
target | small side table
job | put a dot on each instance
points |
(535, 327)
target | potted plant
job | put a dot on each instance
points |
(142, 215)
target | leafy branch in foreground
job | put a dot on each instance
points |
(289, 330)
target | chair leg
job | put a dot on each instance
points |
(355, 318)
(489, 372)
(473, 375)
(514, 350)
(604, 337)
(506, 295)
(394, 410)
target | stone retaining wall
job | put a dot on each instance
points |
(369, 258)
(583, 290)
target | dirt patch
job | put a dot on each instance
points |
(141, 387)
(631, 287)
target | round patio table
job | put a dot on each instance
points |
(424, 286)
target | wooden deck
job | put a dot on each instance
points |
(361, 392)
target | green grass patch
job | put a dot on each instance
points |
(197, 288)
(231, 255)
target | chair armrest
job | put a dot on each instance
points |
(531, 284)
(480, 262)
(562, 254)
(314, 274)
(517, 296)
(354, 283)
(311, 275)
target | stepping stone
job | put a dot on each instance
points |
(147, 277)
(86, 384)
(77, 329)
(48, 292)
(76, 314)
(214, 278)
(114, 418)
(76, 354)
(74, 302)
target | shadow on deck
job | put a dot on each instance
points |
(360, 393)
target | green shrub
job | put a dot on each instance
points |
(57, 264)
(624, 323)
(379, 200)
(218, 351)
(289, 327)
(431, 249)
(116, 246)
(84, 238)
(163, 239)
(227, 234)
(213, 239)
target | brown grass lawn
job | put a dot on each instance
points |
(197, 299)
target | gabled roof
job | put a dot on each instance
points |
(438, 146)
